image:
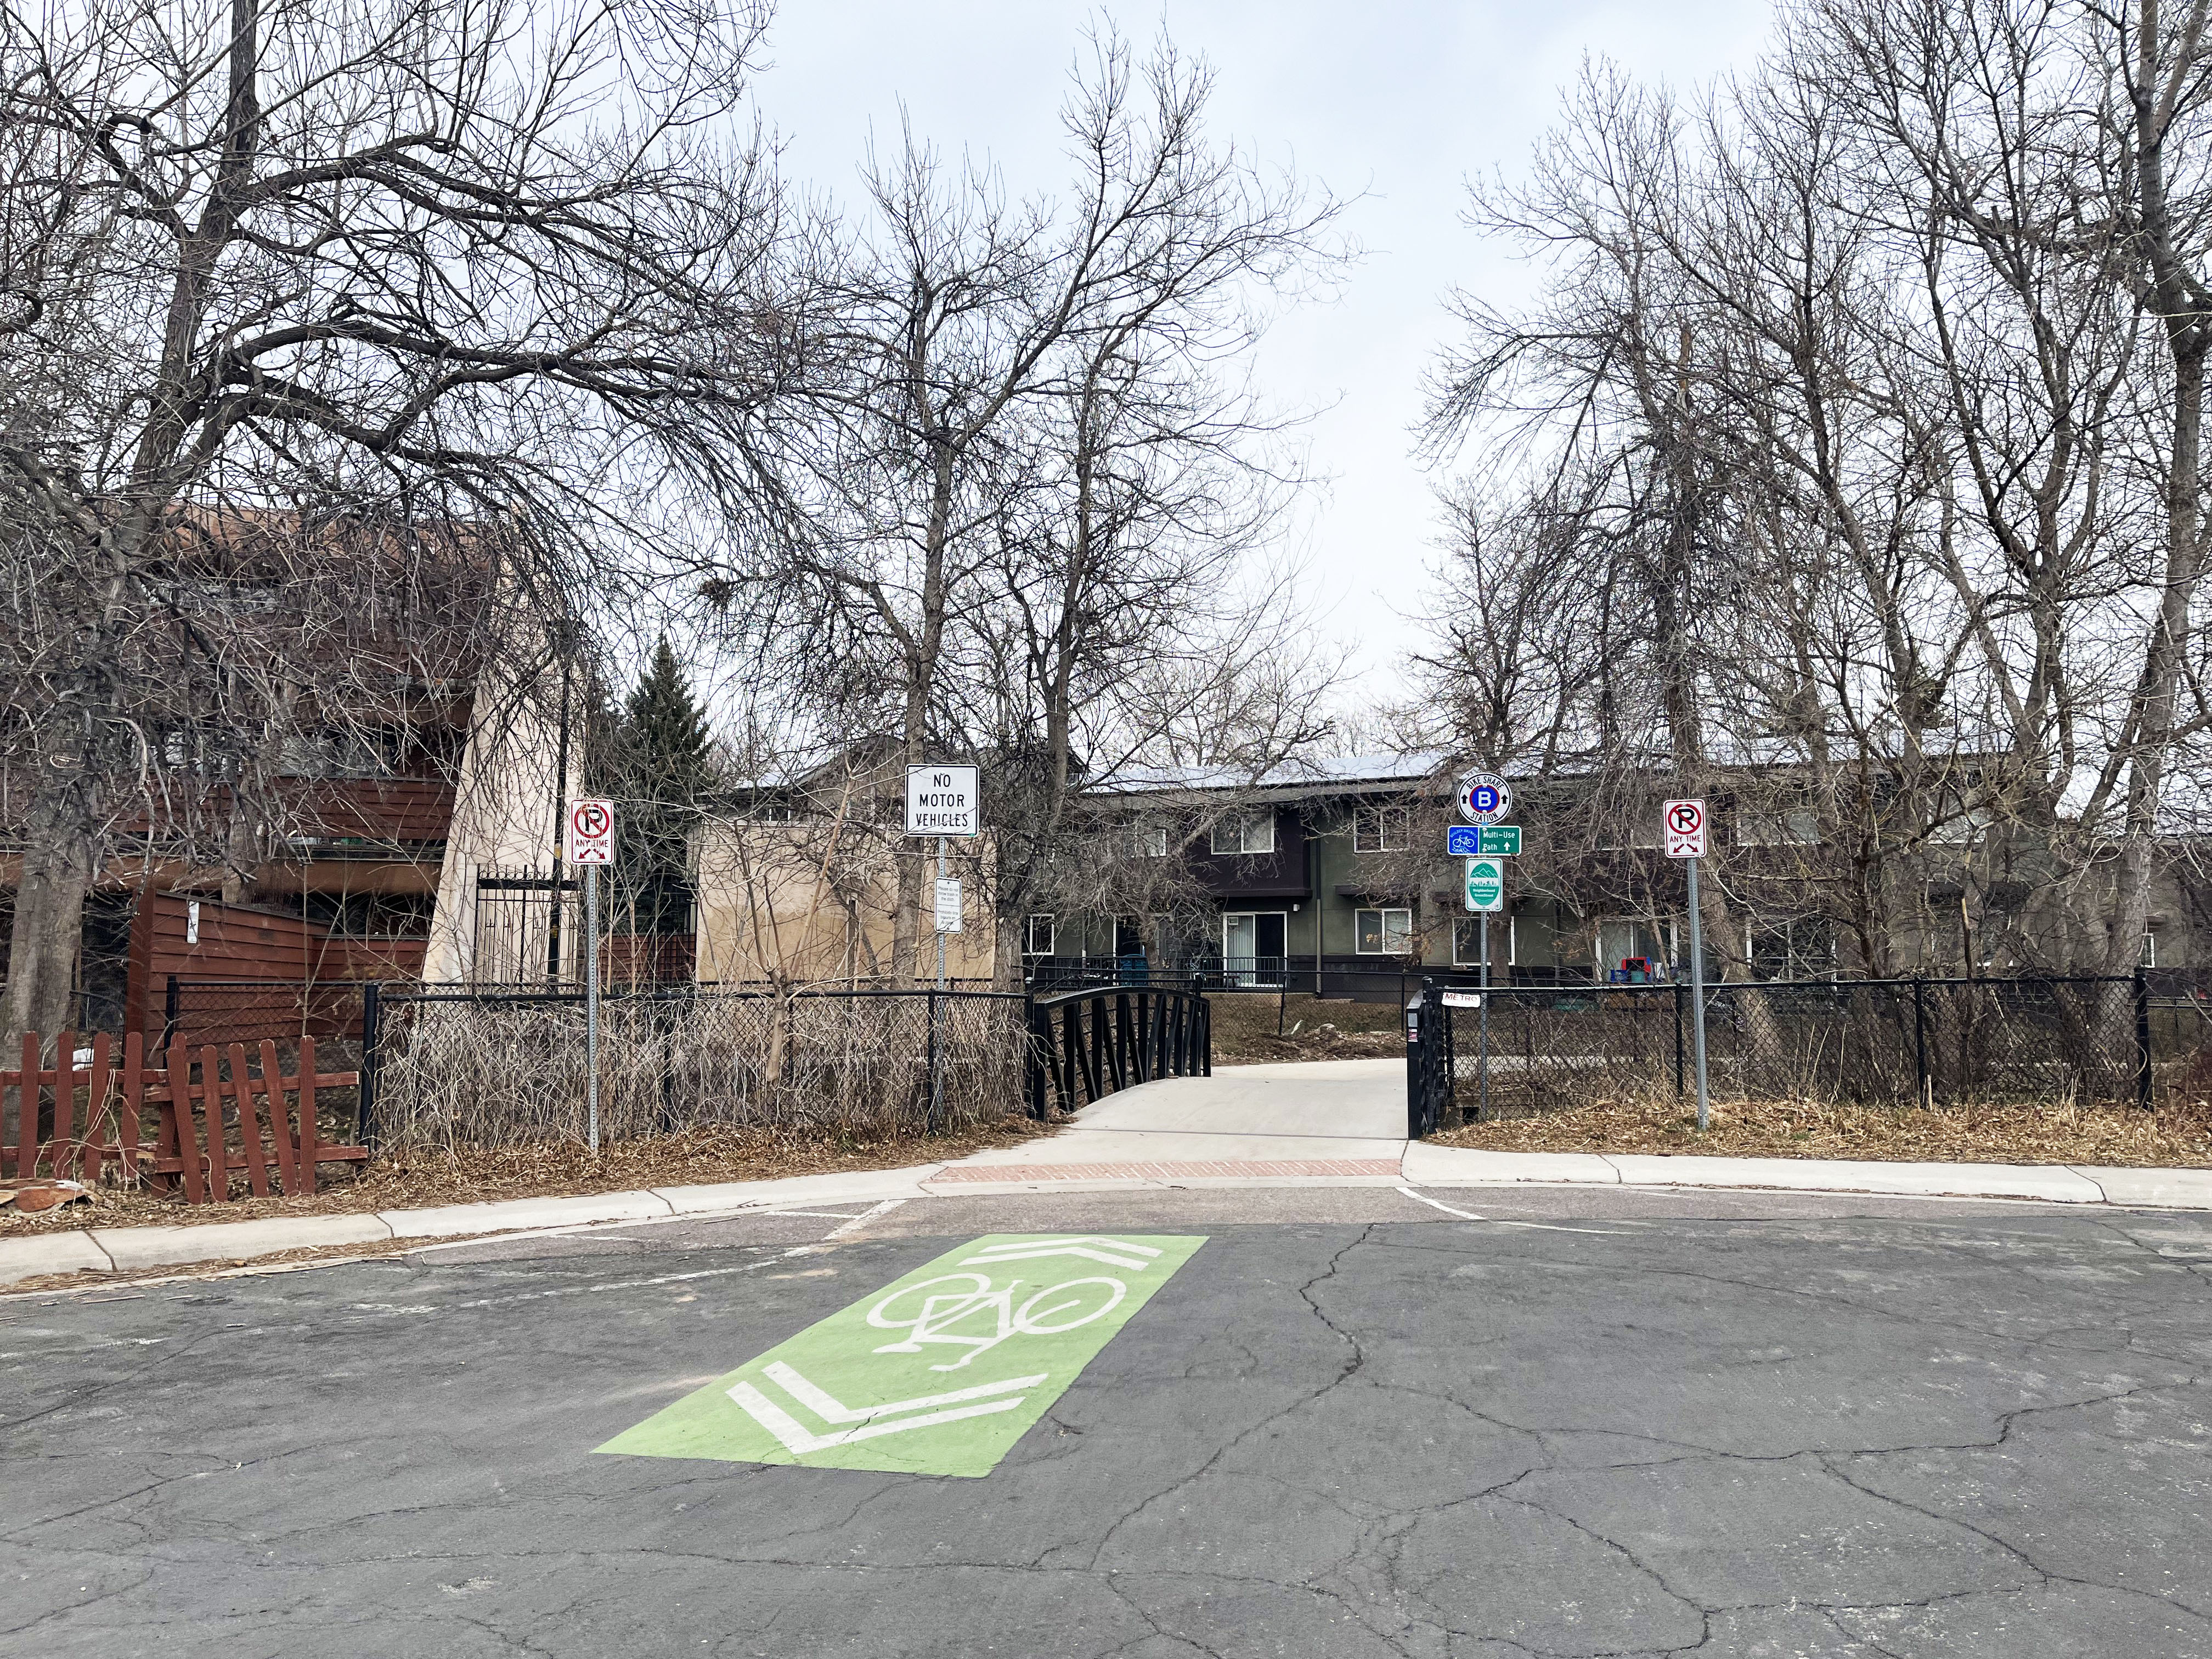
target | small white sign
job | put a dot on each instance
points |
(1485, 798)
(192, 921)
(588, 835)
(944, 800)
(948, 905)
(1683, 822)
(1462, 999)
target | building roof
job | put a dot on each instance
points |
(1350, 774)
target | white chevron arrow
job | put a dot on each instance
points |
(1114, 1252)
(798, 1438)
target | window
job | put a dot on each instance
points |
(371, 753)
(371, 915)
(1957, 822)
(1467, 942)
(1799, 826)
(1384, 933)
(1148, 840)
(1249, 831)
(1382, 829)
(1037, 936)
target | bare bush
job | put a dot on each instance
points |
(487, 1072)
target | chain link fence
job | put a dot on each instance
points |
(487, 1070)
(1869, 1042)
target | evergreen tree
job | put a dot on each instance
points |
(662, 769)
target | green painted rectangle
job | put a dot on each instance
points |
(1500, 839)
(937, 1373)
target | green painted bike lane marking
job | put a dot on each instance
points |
(937, 1373)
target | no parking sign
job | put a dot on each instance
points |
(590, 832)
(1684, 823)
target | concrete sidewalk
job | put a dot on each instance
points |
(1330, 1123)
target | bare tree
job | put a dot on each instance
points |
(285, 276)
(1028, 472)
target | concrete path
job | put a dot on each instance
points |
(1320, 1111)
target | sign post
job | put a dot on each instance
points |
(942, 801)
(589, 841)
(1684, 825)
(1486, 894)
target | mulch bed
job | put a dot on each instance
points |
(478, 1175)
(2171, 1137)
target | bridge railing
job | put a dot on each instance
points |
(1085, 1044)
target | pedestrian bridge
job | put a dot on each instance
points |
(1299, 1112)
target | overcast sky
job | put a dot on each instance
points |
(1400, 102)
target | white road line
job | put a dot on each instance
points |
(1539, 1226)
(883, 1207)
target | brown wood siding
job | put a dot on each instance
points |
(370, 959)
(235, 942)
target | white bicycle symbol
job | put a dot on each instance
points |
(937, 1314)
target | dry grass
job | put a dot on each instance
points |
(471, 1175)
(2177, 1136)
(1245, 1024)
(125, 1282)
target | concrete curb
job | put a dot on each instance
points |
(165, 1247)
(109, 1248)
(451, 1220)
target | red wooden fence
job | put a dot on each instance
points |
(230, 1119)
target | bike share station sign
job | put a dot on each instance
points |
(937, 1373)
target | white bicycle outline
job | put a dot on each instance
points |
(945, 1310)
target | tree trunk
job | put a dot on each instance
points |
(2162, 666)
(59, 859)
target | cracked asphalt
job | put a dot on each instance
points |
(1592, 1422)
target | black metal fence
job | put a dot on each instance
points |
(1088, 1043)
(1389, 980)
(1898, 1042)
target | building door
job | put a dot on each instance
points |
(1253, 948)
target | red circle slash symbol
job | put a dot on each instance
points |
(1684, 818)
(592, 821)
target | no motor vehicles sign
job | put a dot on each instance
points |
(944, 800)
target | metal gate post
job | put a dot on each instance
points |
(1417, 1082)
(372, 1037)
(2142, 1039)
(1923, 1084)
(1033, 1042)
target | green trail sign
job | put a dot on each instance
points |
(937, 1373)
(1501, 840)
(1486, 884)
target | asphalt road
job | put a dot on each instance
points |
(1595, 1422)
